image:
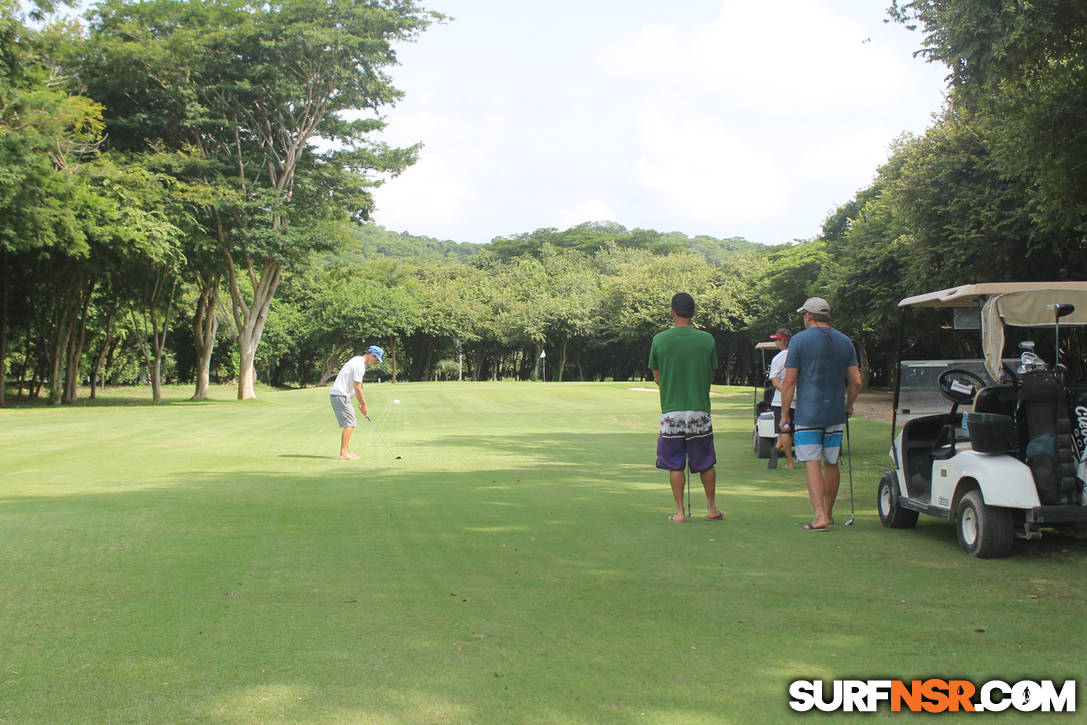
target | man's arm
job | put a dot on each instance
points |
(657, 376)
(788, 390)
(853, 387)
(362, 399)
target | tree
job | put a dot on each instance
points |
(1016, 73)
(251, 88)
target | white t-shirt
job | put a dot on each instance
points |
(350, 374)
(777, 372)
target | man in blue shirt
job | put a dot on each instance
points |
(822, 374)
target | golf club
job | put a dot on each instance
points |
(389, 449)
(849, 456)
(687, 485)
(1059, 310)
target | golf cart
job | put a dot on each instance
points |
(764, 439)
(995, 445)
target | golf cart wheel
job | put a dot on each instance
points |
(891, 512)
(763, 445)
(986, 532)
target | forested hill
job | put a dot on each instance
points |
(375, 241)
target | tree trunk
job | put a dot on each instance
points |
(563, 347)
(862, 354)
(250, 318)
(75, 347)
(153, 360)
(392, 353)
(100, 358)
(205, 325)
(58, 346)
(159, 340)
(331, 365)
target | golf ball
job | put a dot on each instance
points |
(396, 402)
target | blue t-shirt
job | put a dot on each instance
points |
(821, 356)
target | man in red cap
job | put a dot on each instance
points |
(777, 379)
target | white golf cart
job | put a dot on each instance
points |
(764, 439)
(994, 444)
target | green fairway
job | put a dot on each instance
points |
(215, 562)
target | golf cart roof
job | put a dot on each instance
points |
(1020, 304)
(766, 345)
(969, 295)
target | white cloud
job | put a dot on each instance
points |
(788, 55)
(722, 117)
(429, 195)
(591, 210)
(442, 189)
(754, 115)
(697, 167)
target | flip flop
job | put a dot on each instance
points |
(809, 527)
(720, 515)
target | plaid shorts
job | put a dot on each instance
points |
(686, 437)
(815, 444)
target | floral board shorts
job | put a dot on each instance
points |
(686, 437)
(814, 444)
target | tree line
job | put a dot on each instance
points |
(185, 189)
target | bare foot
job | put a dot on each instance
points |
(715, 515)
(677, 518)
(349, 457)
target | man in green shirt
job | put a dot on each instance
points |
(683, 360)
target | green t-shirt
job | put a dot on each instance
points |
(686, 358)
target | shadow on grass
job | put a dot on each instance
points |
(554, 592)
(116, 400)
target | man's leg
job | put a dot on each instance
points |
(709, 485)
(787, 446)
(831, 480)
(345, 440)
(677, 478)
(817, 492)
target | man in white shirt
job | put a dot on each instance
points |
(777, 377)
(348, 385)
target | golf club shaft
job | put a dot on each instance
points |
(386, 443)
(849, 456)
(688, 486)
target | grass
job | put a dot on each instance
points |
(214, 562)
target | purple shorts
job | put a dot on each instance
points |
(686, 437)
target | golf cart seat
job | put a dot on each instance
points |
(1046, 436)
(999, 399)
(924, 439)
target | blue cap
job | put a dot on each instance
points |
(376, 351)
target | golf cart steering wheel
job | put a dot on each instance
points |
(959, 386)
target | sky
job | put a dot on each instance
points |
(730, 118)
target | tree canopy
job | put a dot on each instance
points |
(185, 194)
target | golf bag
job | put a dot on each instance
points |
(1077, 413)
(1046, 437)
